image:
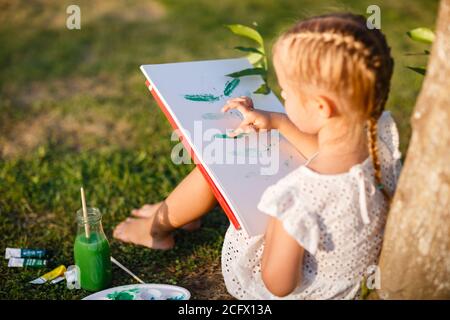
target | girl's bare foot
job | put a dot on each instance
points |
(147, 210)
(138, 231)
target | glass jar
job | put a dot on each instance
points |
(92, 252)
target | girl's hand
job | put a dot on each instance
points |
(254, 120)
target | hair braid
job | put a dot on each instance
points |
(373, 151)
(339, 53)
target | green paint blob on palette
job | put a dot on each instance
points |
(123, 295)
(142, 292)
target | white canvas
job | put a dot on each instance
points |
(241, 184)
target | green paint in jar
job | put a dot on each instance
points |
(92, 254)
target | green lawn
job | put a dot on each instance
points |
(74, 111)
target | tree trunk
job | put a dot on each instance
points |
(415, 257)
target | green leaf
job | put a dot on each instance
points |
(248, 72)
(247, 32)
(256, 57)
(264, 89)
(364, 290)
(424, 35)
(420, 70)
(250, 49)
(256, 60)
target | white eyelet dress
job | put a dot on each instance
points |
(338, 219)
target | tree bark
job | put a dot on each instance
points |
(415, 257)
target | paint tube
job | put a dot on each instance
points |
(72, 276)
(55, 273)
(21, 262)
(59, 279)
(25, 253)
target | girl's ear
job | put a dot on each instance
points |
(326, 106)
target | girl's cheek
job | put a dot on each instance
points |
(305, 127)
(298, 117)
(303, 120)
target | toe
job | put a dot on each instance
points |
(146, 206)
(120, 235)
(116, 231)
(145, 211)
(142, 212)
(119, 229)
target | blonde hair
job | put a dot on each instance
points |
(339, 54)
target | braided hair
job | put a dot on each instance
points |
(339, 53)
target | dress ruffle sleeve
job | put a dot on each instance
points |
(286, 203)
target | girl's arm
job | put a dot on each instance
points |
(254, 119)
(305, 143)
(281, 261)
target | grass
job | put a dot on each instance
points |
(74, 110)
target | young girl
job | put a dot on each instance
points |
(327, 216)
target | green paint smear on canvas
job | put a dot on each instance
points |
(230, 86)
(219, 115)
(247, 152)
(251, 152)
(123, 295)
(213, 115)
(201, 97)
(225, 136)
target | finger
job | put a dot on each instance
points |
(241, 129)
(236, 132)
(250, 128)
(244, 129)
(234, 99)
(249, 101)
(239, 106)
(243, 99)
(232, 104)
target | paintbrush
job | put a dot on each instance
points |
(117, 263)
(85, 215)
